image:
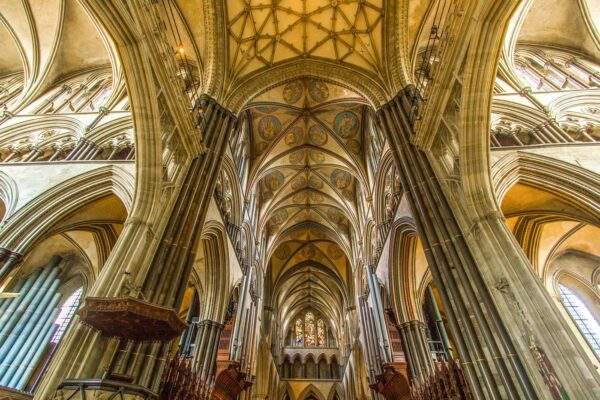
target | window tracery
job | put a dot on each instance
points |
(320, 333)
(309, 329)
(299, 333)
(583, 318)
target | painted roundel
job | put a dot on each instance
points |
(298, 157)
(315, 182)
(261, 147)
(308, 251)
(335, 216)
(283, 252)
(292, 92)
(274, 180)
(269, 127)
(267, 109)
(346, 124)
(293, 137)
(317, 156)
(317, 136)
(353, 146)
(340, 179)
(279, 217)
(318, 91)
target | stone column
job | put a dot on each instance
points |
(207, 344)
(164, 281)
(497, 364)
(57, 153)
(169, 272)
(33, 155)
(9, 260)
(487, 352)
(416, 347)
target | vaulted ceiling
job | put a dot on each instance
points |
(308, 170)
(265, 33)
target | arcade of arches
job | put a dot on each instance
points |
(299, 199)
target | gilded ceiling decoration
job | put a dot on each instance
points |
(308, 169)
(263, 33)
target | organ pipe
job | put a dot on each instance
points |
(27, 324)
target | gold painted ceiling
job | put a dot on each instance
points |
(263, 33)
(309, 177)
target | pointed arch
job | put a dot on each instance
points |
(216, 271)
(9, 195)
(37, 217)
(311, 390)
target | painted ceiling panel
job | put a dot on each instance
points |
(262, 34)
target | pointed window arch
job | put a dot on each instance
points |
(583, 318)
(309, 328)
(299, 333)
(320, 333)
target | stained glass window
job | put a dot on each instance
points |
(299, 333)
(320, 333)
(584, 319)
(309, 329)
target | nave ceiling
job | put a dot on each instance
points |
(307, 174)
(48, 41)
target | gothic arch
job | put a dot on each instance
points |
(138, 74)
(311, 390)
(9, 195)
(571, 183)
(234, 195)
(406, 295)
(327, 71)
(37, 217)
(216, 264)
(387, 166)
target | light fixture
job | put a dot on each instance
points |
(180, 49)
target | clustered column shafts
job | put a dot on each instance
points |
(9, 260)
(416, 347)
(27, 324)
(169, 273)
(487, 352)
(207, 344)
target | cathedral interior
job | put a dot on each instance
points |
(299, 199)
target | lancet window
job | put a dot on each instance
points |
(310, 331)
(583, 318)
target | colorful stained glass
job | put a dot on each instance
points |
(309, 335)
(299, 333)
(299, 342)
(320, 333)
